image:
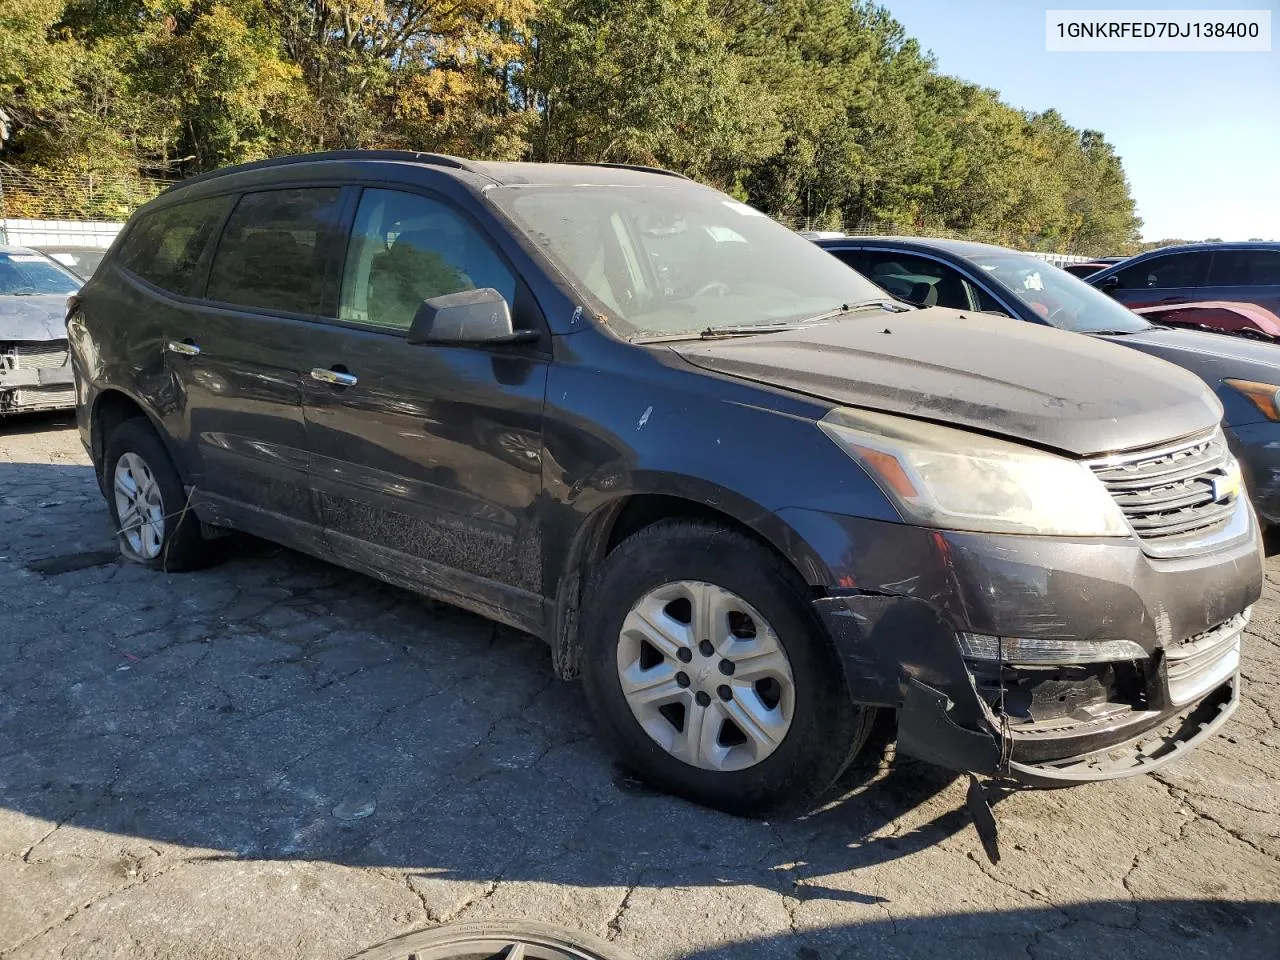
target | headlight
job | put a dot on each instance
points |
(1264, 396)
(956, 480)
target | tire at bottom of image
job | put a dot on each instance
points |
(496, 940)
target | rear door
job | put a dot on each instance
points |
(1168, 278)
(236, 361)
(1245, 276)
(427, 459)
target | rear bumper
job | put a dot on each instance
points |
(899, 639)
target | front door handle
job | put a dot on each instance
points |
(183, 348)
(336, 378)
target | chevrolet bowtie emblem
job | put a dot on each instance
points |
(1227, 485)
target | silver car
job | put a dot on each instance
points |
(34, 372)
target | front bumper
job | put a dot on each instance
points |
(904, 595)
(1257, 447)
(35, 376)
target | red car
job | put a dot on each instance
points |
(1246, 319)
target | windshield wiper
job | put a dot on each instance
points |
(1118, 333)
(884, 303)
(717, 333)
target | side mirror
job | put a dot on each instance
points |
(469, 316)
(1109, 284)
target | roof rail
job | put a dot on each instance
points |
(436, 159)
(634, 166)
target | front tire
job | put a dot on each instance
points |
(709, 674)
(154, 525)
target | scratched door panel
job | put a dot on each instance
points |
(243, 398)
(434, 455)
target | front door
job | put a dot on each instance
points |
(426, 460)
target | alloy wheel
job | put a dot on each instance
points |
(139, 507)
(706, 676)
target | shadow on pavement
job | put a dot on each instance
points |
(1143, 930)
(279, 708)
(1146, 930)
(25, 424)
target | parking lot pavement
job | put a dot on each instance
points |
(276, 758)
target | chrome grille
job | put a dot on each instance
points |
(30, 356)
(1173, 492)
(1200, 663)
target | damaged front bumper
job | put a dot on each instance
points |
(35, 376)
(907, 643)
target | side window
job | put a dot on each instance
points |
(850, 258)
(986, 302)
(1174, 270)
(164, 247)
(407, 248)
(1245, 268)
(271, 255)
(917, 280)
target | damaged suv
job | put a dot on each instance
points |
(750, 499)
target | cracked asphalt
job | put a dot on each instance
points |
(277, 758)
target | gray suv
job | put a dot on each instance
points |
(754, 503)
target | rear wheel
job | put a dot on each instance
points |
(149, 508)
(710, 675)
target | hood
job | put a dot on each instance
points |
(39, 317)
(1211, 356)
(1000, 376)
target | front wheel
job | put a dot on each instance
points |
(710, 675)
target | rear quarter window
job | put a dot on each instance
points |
(165, 246)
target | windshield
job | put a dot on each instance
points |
(1061, 299)
(664, 260)
(29, 274)
(82, 263)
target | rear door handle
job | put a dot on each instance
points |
(183, 348)
(337, 378)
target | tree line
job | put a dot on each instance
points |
(820, 112)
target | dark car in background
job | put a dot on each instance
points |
(1092, 267)
(752, 500)
(980, 278)
(34, 370)
(1236, 272)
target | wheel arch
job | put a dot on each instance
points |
(112, 407)
(617, 518)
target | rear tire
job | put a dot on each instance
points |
(799, 729)
(149, 508)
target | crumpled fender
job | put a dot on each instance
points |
(897, 652)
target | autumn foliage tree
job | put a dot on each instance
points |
(823, 112)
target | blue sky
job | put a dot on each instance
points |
(1199, 133)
